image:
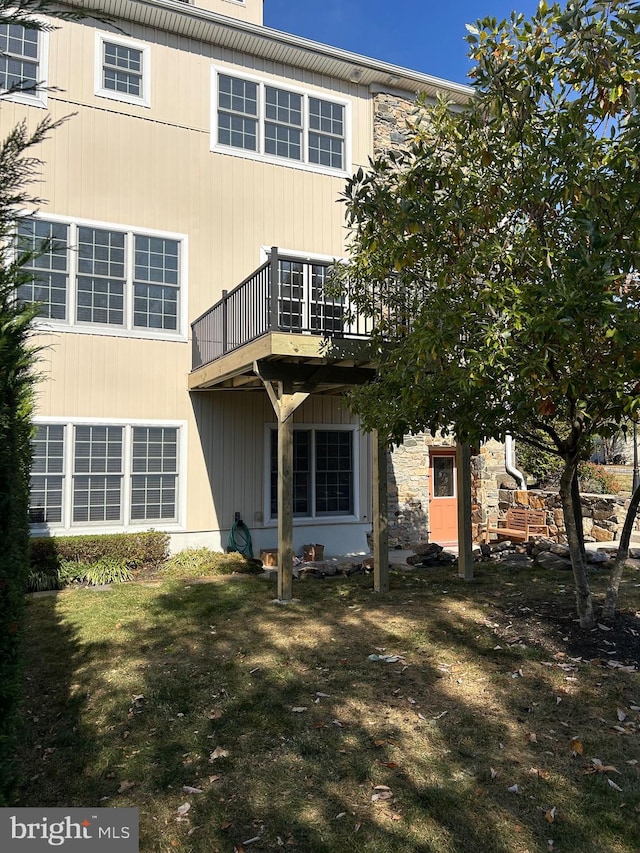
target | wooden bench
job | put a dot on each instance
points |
(520, 524)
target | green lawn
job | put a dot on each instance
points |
(279, 718)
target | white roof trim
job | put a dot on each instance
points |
(253, 39)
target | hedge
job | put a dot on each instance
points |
(137, 550)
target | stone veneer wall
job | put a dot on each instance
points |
(408, 487)
(390, 113)
(602, 515)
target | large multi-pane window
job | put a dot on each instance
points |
(122, 69)
(104, 474)
(88, 276)
(257, 118)
(323, 472)
(20, 59)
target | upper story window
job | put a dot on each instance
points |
(122, 70)
(22, 63)
(256, 119)
(104, 279)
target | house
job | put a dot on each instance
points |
(198, 171)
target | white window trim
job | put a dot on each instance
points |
(306, 93)
(304, 520)
(143, 100)
(66, 527)
(37, 98)
(46, 324)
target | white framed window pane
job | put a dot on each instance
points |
(122, 69)
(98, 449)
(100, 284)
(326, 117)
(154, 465)
(283, 141)
(97, 470)
(283, 107)
(97, 498)
(47, 480)
(48, 241)
(237, 113)
(334, 472)
(325, 150)
(19, 57)
(302, 475)
(291, 294)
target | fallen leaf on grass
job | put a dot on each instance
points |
(382, 792)
(298, 710)
(126, 786)
(621, 715)
(218, 752)
(187, 789)
(514, 789)
(184, 809)
(576, 746)
(493, 772)
(340, 815)
(550, 815)
(531, 737)
(598, 767)
(613, 784)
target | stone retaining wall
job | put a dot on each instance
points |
(602, 515)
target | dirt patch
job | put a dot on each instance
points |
(553, 626)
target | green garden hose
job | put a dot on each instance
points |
(240, 539)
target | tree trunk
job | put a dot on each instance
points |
(577, 512)
(583, 593)
(615, 576)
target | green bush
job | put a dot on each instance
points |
(201, 562)
(596, 479)
(108, 570)
(137, 550)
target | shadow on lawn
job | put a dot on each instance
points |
(222, 671)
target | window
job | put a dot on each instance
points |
(302, 299)
(22, 62)
(279, 124)
(122, 70)
(323, 472)
(47, 475)
(104, 474)
(93, 278)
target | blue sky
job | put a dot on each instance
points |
(425, 35)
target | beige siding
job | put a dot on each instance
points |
(152, 168)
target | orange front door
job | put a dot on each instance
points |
(443, 504)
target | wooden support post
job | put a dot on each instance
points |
(380, 515)
(284, 402)
(285, 506)
(465, 543)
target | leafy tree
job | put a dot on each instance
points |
(18, 168)
(495, 252)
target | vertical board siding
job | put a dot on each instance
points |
(152, 168)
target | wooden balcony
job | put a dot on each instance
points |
(294, 332)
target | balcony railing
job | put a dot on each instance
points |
(298, 304)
